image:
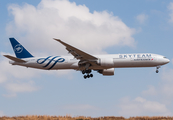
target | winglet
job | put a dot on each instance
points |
(14, 58)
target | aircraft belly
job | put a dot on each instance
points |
(51, 66)
(62, 66)
(28, 64)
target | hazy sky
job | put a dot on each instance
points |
(96, 27)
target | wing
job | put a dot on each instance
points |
(85, 58)
(78, 54)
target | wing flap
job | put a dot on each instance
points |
(14, 58)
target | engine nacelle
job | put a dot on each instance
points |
(107, 71)
(106, 62)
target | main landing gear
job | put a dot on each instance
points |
(88, 73)
(157, 69)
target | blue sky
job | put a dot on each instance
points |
(96, 27)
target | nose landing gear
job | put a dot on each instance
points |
(157, 69)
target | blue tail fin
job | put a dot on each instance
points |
(19, 50)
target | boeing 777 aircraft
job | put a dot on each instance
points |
(83, 61)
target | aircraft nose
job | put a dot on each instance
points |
(167, 60)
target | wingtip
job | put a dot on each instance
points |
(56, 39)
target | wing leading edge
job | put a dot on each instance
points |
(85, 59)
(78, 54)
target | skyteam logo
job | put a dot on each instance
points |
(18, 48)
(53, 60)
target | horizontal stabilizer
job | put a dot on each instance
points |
(14, 58)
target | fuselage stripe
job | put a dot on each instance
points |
(50, 61)
(59, 60)
(43, 60)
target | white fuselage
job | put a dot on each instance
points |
(105, 61)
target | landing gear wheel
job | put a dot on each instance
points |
(157, 71)
(85, 76)
(91, 75)
(88, 76)
(87, 72)
(83, 71)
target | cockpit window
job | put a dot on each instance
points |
(164, 57)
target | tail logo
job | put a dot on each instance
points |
(18, 48)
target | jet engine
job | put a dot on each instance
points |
(106, 62)
(107, 71)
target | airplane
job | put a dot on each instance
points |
(84, 62)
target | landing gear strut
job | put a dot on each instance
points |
(157, 69)
(86, 71)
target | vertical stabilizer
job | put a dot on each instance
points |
(19, 50)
